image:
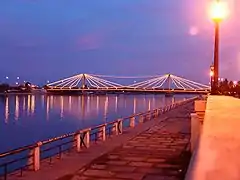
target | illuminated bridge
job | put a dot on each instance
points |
(89, 83)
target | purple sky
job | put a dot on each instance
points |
(50, 39)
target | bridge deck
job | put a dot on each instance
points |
(157, 149)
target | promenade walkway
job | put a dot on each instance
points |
(155, 150)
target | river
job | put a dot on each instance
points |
(26, 119)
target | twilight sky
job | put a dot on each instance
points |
(50, 39)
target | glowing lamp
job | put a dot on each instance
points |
(218, 10)
(211, 73)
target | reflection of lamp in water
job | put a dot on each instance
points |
(16, 108)
(149, 105)
(28, 104)
(173, 100)
(88, 104)
(70, 102)
(83, 107)
(134, 105)
(47, 108)
(51, 102)
(105, 108)
(32, 104)
(153, 100)
(61, 110)
(97, 104)
(6, 110)
(24, 103)
(116, 103)
(43, 100)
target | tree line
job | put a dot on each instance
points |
(227, 87)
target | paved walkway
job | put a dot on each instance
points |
(157, 149)
(159, 153)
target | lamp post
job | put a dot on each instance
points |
(211, 75)
(218, 13)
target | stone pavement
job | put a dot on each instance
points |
(159, 153)
(156, 149)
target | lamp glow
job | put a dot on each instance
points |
(218, 10)
(211, 73)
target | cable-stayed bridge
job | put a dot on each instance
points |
(90, 83)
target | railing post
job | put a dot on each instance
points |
(104, 132)
(78, 141)
(141, 119)
(87, 137)
(35, 157)
(116, 131)
(195, 130)
(132, 121)
(149, 116)
(120, 126)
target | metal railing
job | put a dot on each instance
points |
(30, 157)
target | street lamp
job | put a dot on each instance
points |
(211, 75)
(218, 13)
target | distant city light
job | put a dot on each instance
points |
(235, 83)
(18, 78)
(222, 79)
(48, 81)
(16, 83)
(7, 77)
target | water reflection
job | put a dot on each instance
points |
(28, 104)
(36, 117)
(47, 108)
(104, 107)
(32, 104)
(6, 110)
(16, 108)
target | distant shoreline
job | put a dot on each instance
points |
(22, 93)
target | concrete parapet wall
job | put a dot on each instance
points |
(216, 154)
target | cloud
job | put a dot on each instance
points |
(90, 41)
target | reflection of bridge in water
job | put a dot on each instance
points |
(167, 83)
(88, 107)
(81, 107)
